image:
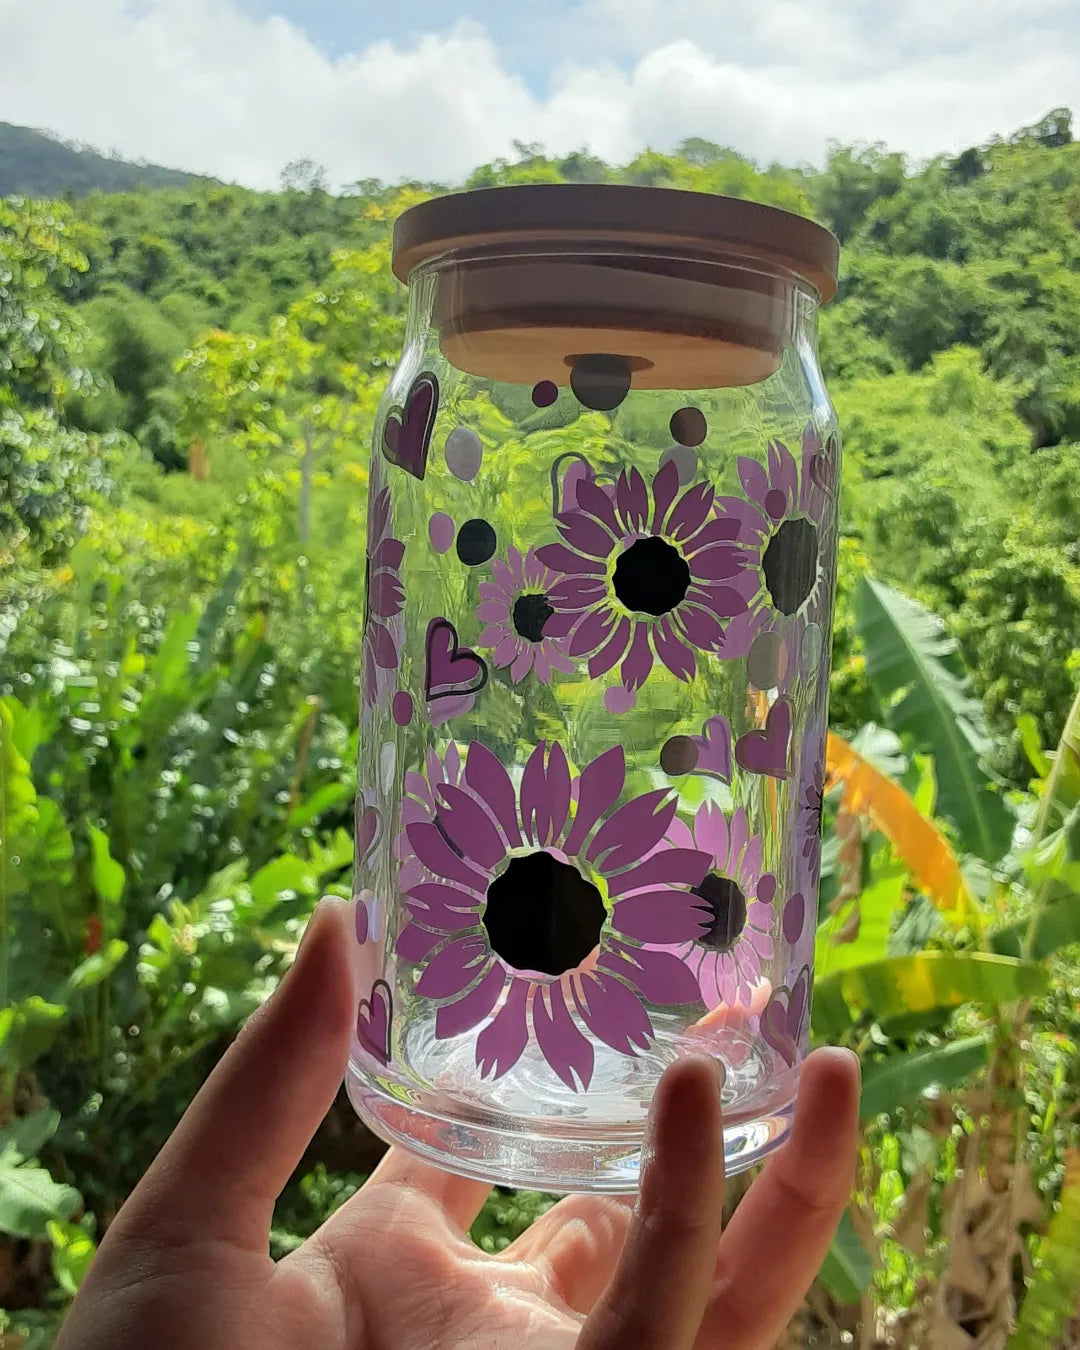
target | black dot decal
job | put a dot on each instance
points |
(790, 564)
(475, 542)
(726, 906)
(688, 426)
(651, 576)
(679, 756)
(545, 393)
(600, 381)
(543, 915)
(530, 614)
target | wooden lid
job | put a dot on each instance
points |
(544, 216)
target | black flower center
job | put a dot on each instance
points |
(651, 576)
(530, 614)
(727, 911)
(543, 915)
(790, 564)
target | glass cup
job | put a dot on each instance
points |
(601, 565)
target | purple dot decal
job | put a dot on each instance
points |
(360, 917)
(685, 461)
(679, 756)
(688, 426)
(402, 707)
(545, 393)
(600, 380)
(619, 699)
(767, 662)
(464, 454)
(794, 918)
(775, 503)
(813, 647)
(441, 532)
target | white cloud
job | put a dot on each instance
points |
(200, 84)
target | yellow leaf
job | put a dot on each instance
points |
(918, 842)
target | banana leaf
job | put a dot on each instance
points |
(913, 669)
(907, 984)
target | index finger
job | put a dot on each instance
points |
(658, 1293)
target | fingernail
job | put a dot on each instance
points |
(325, 902)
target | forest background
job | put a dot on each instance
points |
(188, 378)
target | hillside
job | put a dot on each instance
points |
(38, 164)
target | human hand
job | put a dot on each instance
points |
(185, 1264)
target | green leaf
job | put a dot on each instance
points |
(911, 664)
(321, 800)
(26, 1136)
(876, 906)
(847, 1269)
(287, 874)
(1032, 743)
(105, 872)
(1056, 926)
(72, 1251)
(169, 669)
(902, 1078)
(1050, 1303)
(29, 1198)
(914, 984)
(28, 1029)
(99, 966)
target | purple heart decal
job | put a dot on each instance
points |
(766, 752)
(407, 434)
(451, 668)
(714, 748)
(782, 1020)
(373, 1021)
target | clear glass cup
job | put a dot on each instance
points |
(602, 553)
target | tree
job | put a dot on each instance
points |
(304, 175)
(49, 474)
(305, 388)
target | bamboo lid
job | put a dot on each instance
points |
(693, 291)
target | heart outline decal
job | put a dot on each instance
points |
(442, 652)
(406, 437)
(782, 1020)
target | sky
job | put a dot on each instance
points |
(429, 89)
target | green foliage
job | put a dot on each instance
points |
(847, 1270)
(188, 382)
(911, 665)
(904, 1077)
(1050, 1304)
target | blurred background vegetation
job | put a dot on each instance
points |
(188, 379)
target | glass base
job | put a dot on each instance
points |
(525, 1131)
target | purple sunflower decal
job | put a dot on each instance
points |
(515, 608)
(530, 916)
(384, 633)
(646, 576)
(736, 896)
(418, 806)
(786, 510)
